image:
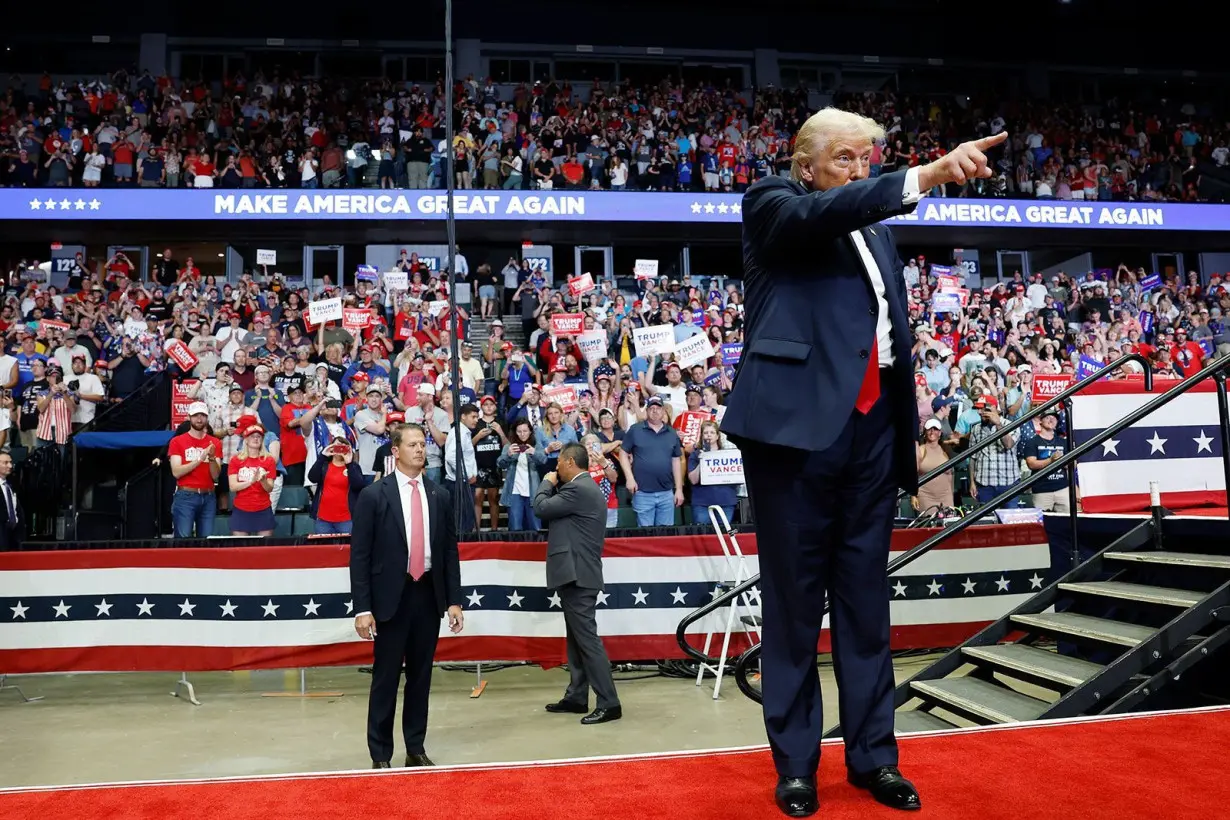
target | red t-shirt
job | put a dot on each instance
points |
(599, 475)
(189, 448)
(254, 498)
(334, 495)
(294, 448)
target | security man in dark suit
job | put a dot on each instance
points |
(823, 410)
(405, 575)
(574, 510)
(12, 520)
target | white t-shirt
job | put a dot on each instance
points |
(7, 363)
(87, 382)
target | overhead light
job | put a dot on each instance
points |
(221, 255)
(158, 255)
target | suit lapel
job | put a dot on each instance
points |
(393, 497)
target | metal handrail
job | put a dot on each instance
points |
(1034, 412)
(1216, 369)
(734, 592)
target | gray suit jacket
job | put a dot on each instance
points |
(576, 530)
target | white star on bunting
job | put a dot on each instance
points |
(1110, 446)
(79, 204)
(65, 204)
(713, 596)
(736, 208)
(145, 608)
(270, 608)
(35, 204)
(709, 207)
(19, 611)
(679, 596)
(602, 598)
(94, 204)
(695, 207)
(1203, 444)
(968, 586)
(899, 590)
(50, 204)
(62, 609)
(1157, 444)
(103, 608)
(723, 208)
(554, 601)
(310, 608)
(515, 600)
(187, 608)
(228, 609)
(475, 598)
(640, 596)
(350, 607)
(1002, 584)
(1035, 582)
(933, 588)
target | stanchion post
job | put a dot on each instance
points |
(4, 684)
(1071, 475)
(1223, 415)
(1156, 509)
(186, 685)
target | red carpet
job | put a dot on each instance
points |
(1141, 767)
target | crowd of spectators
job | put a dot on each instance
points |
(293, 404)
(275, 131)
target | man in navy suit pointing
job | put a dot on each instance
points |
(823, 409)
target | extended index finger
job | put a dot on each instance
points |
(991, 141)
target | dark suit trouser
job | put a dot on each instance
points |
(410, 636)
(588, 663)
(824, 521)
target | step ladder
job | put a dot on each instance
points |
(1103, 639)
(743, 617)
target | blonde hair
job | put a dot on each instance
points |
(822, 127)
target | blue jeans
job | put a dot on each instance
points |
(612, 518)
(986, 494)
(700, 515)
(521, 514)
(332, 527)
(189, 509)
(654, 509)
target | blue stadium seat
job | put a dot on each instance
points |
(222, 524)
(294, 499)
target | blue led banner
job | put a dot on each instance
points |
(582, 206)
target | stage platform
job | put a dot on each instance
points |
(1159, 767)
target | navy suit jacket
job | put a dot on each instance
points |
(380, 555)
(810, 315)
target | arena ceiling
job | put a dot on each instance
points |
(1107, 33)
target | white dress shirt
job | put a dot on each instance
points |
(467, 453)
(884, 326)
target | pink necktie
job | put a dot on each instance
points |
(417, 548)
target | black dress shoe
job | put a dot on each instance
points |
(603, 715)
(380, 764)
(796, 796)
(888, 787)
(418, 760)
(568, 706)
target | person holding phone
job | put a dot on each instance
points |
(339, 480)
(252, 472)
(516, 463)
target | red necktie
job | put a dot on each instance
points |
(870, 391)
(417, 547)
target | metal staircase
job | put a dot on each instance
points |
(1129, 622)
(1101, 639)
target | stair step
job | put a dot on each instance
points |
(982, 699)
(1035, 662)
(916, 720)
(1086, 626)
(1174, 559)
(1182, 598)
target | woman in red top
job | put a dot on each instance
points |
(252, 472)
(339, 479)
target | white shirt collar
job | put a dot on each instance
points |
(403, 479)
